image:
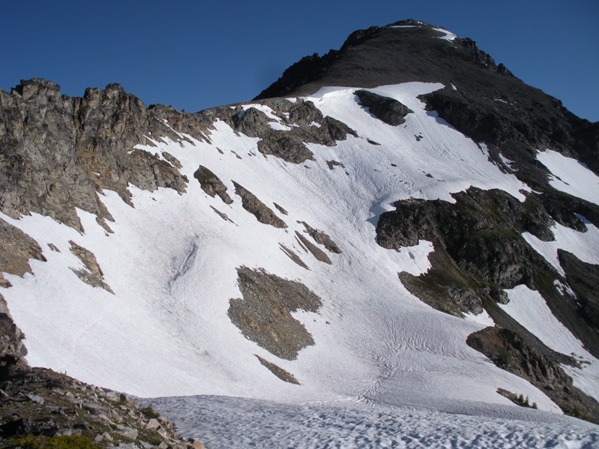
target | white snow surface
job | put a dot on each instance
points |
(447, 35)
(529, 309)
(570, 175)
(584, 244)
(225, 422)
(171, 262)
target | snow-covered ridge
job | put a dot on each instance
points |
(171, 261)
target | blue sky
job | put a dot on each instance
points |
(197, 54)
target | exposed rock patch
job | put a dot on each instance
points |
(288, 148)
(264, 313)
(293, 256)
(281, 209)
(211, 184)
(16, 248)
(299, 118)
(510, 352)
(257, 208)
(313, 249)
(285, 376)
(322, 238)
(333, 164)
(92, 274)
(222, 215)
(386, 109)
(445, 287)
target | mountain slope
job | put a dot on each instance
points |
(343, 244)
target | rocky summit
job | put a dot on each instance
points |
(400, 224)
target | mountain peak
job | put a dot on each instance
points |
(407, 50)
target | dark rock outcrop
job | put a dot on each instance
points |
(584, 279)
(479, 251)
(12, 350)
(389, 110)
(211, 184)
(481, 232)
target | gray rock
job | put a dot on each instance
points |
(153, 424)
(127, 432)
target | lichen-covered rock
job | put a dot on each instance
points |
(264, 313)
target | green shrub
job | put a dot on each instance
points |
(57, 442)
(149, 412)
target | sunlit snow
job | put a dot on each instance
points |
(570, 176)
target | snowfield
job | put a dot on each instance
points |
(393, 371)
(222, 422)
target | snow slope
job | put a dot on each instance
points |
(171, 261)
